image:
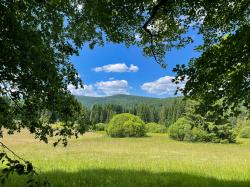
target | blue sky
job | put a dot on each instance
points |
(115, 69)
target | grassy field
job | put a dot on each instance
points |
(97, 160)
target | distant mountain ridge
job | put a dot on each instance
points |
(125, 100)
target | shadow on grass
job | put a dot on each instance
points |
(132, 178)
(129, 178)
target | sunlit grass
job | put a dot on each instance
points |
(98, 160)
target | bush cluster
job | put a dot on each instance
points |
(180, 130)
(126, 125)
(245, 132)
(221, 133)
(155, 128)
(100, 127)
(184, 130)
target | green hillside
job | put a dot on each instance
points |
(126, 100)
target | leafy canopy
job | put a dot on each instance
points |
(220, 77)
(38, 37)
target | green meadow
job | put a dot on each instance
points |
(95, 159)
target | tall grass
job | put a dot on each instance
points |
(98, 160)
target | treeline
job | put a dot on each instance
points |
(165, 114)
(183, 119)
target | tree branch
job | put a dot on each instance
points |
(15, 155)
(153, 13)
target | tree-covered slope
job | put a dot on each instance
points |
(126, 100)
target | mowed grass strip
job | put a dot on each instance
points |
(98, 160)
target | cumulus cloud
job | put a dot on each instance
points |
(113, 87)
(102, 88)
(162, 86)
(119, 68)
(87, 90)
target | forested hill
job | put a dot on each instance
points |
(126, 100)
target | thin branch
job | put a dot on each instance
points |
(154, 12)
(17, 156)
(5, 147)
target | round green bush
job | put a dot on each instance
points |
(155, 128)
(100, 126)
(126, 125)
(180, 130)
(245, 132)
(183, 131)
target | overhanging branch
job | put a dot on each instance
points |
(153, 13)
(155, 10)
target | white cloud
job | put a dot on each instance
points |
(162, 86)
(87, 90)
(90, 91)
(103, 88)
(75, 91)
(119, 67)
(133, 68)
(113, 87)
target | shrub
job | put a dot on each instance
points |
(155, 128)
(245, 132)
(242, 123)
(126, 125)
(221, 133)
(180, 129)
(198, 135)
(133, 129)
(100, 127)
(184, 130)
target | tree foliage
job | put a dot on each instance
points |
(38, 37)
(166, 114)
(202, 128)
(220, 78)
(35, 68)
